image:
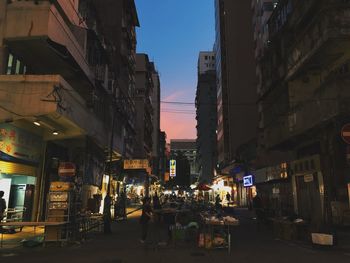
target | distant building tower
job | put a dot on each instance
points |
(206, 62)
(206, 115)
(156, 122)
(186, 147)
(163, 158)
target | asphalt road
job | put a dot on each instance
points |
(249, 246)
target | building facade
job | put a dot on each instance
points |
(235, 69)
(188, 149)
(158, 145)
(144, 107)
(206, 116)
(60, 79)
(304, 80)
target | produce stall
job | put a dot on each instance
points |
(216, 231)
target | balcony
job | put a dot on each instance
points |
(41, 35)
(308, 116)
(51, 101)
(323, 44)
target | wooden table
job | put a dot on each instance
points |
(28, 224)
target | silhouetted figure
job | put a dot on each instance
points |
(2, 205)
(228, 198)
(259, 210)
(217, 202)
(145, 218)
(107, 217)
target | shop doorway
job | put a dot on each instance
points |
(309, 199)
(19, 195)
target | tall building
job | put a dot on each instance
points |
(206, 62)
(156, 147)
(163, 158)
(236, 85)
(187, 148)
(144, 107)
(60, 66)
(305, 100)
(206, 116)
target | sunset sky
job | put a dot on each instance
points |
(172, 33)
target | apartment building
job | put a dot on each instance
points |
(62, 97)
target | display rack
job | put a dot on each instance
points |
(60, 208)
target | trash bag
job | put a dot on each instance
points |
(33, 242)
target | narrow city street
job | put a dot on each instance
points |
(249, 246)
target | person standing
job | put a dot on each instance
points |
(259, 210)
(228, 199)
(2, 205)
(107, 217)
(218, 202)
(145, 218)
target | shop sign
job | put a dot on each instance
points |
(308, 178)
(248, 181)
(17, 145)
(136, 164)
(166, 177)
(275, 190)
(172, 168)
(66, 169)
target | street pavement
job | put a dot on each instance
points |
(249, 245)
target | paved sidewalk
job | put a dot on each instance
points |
(123, 246)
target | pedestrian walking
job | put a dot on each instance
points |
(145, 218)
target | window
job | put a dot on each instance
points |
(206, 57)
(9, 64)
(15, 66)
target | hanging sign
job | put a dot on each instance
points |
(136, 164)
(172, 168)
(248, 181)
(20, 146)
(66, 169)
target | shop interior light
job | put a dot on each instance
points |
(55, 133)
(37, 123)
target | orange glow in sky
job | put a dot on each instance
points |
(178, 126)
(178, 121)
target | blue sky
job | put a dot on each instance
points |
(172, 33)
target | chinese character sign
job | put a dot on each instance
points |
(172, 168)
(136, 164)
(18, 145)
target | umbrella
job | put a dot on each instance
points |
(203, 187)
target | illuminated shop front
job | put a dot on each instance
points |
(20, 155)
(222, 185)
(274, 186)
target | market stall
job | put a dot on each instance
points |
(216, 231)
